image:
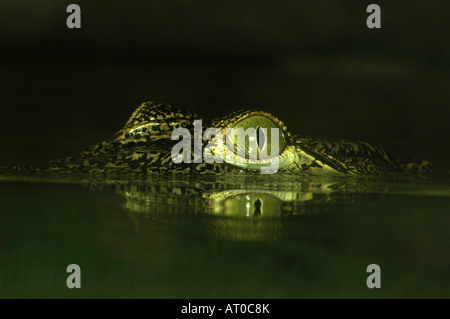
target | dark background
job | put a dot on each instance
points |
(314, 64)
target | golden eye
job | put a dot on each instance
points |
(253, 135)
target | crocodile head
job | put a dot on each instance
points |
(146, 145)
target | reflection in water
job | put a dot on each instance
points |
(243, 210)
(218, 238)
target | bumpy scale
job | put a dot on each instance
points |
(143, 147)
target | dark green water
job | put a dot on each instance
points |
(141, 244)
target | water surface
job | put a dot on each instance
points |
(206, 239)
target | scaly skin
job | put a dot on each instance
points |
(143, 147)
(137, 164)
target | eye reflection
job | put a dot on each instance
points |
(257, 211)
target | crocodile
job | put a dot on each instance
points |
(143, 147)
(138, 164)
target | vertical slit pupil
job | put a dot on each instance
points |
(257, 136)
(260, 138)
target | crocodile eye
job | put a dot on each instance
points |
(253, 136)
